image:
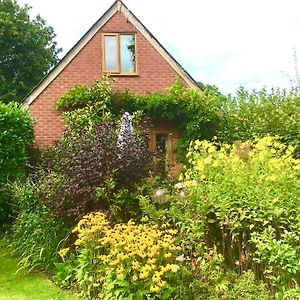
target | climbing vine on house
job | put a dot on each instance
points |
(197, 114)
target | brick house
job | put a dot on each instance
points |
(119, 44)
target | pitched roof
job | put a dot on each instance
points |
(121, 7)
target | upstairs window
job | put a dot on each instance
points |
(119, 53)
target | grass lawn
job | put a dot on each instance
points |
(24, 285)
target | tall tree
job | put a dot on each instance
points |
(27, 50)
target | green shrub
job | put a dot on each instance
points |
(91, 169)
(214, 282)
(99, 94)
(247, 287)
(258, 113)
(199, 114)
(7, 205)
(280, 256)
(196, 113)
(15, 136)
(235, 192)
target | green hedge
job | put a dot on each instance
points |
(16, 133)
(259, 113)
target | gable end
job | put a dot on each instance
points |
(118, 6)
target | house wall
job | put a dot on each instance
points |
(154, 74)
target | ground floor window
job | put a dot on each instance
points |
(163, 141)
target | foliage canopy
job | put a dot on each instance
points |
(28, 50)
(258, 113)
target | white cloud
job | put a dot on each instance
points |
(226, 43)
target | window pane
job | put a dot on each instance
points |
(161, 143)
(127, 52)
(110, 42)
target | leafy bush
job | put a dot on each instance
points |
(15, 136)
(258, 113)
(7, 205)
(235, 192)
(84, 107)
(84, 164)
(88, 171)
(94, 166)
(197, 113)
(80, 96)
(201, 114)
(280, 257)
(122, 261)
(247, 287)
(214, 282)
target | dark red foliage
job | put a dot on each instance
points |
(88, 161)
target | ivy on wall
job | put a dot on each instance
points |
(197, 113)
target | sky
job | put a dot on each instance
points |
(232, 43)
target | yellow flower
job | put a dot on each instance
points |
(272, 178)
(146, 268)
(138, 245)
(76, 229)
(63, 252)
(154, 288)
(156, 277)
(104, 258)
(173, 231)
(169, 267)
(175, 268)
(134, 277)
(152, 261)
(144, 274)
(135, 265)
(78, 242)
(119, 271)
(161, 283)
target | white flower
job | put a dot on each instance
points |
(175, 268)
(180, 258)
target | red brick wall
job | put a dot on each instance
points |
(154, 74)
